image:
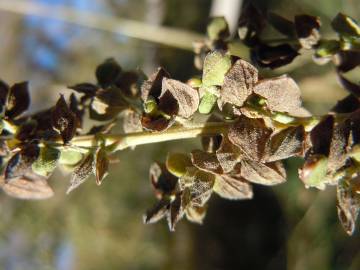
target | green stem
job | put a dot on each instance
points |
(122, 141)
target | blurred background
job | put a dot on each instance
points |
(54, 43)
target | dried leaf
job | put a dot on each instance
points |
(233, 188)
(273, 56)
(156, 123)
(347, 60)
(108, 72)
(131, 121)
(206, 161)
(64, 120)
(101, 165)
(177, 208)
(88, 89)
(347, 105)
(129, 83)
(4, 90)
(345, 25)
(177, 163)
(216, 64)
(282, 95)
(196, 214)
(157, 212)
(20, 163)
(268, 174)
(211, 143)
(18, 100)
(250, 135)
(28, 187)
(81, 172)
(348, 204)
(228, 155)
(199, 183)
(187, 97)
(238, 83)
(321, 136)
(338, 146)
(281, 24)
(284, 144)
(152, 86)
(163, 182)
(307, 30)
(353, 88)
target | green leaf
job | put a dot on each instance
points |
(327, 48)
(314, 171)
(176, 163)
(70, 157)
(216, 64)
(218, 28)
(345, 25)
(207, 103)
(47, 161)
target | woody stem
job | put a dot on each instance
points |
(122, 141)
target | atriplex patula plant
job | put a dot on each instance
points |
(252, 123)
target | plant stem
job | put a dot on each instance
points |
(122, 141)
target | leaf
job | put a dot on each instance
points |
(163, 182)
(321, 135)
(353, 88)
(339, 146)
(156, 123)
(152, 86)
(314, 171)
(347, 60)
(267, 174)
(4, 90)
(282, 95)
(273, 56)
(18, 99)
(196, 214)
(64, 120)
(347, 105)
(307, 30)
(207, 103)
(88, 89)
(70, 157)
(177, 163)
(345, 25)
(211, 143)
(101, 165)
(47, 161)
(21, 162)
(216, 64)
(281, 24)
(348, 204)
(238, 83)
(228, 155)
(206, 161)
(233, 188)
(199, 183)
(284, 144)
(327, 48)
(131, 121)
(28, 187)
(187, 97)
(177, 208)
(218, 28)
(157, 212)
(250, 135)
(129, 83)
(108, 72)
(81, 172)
